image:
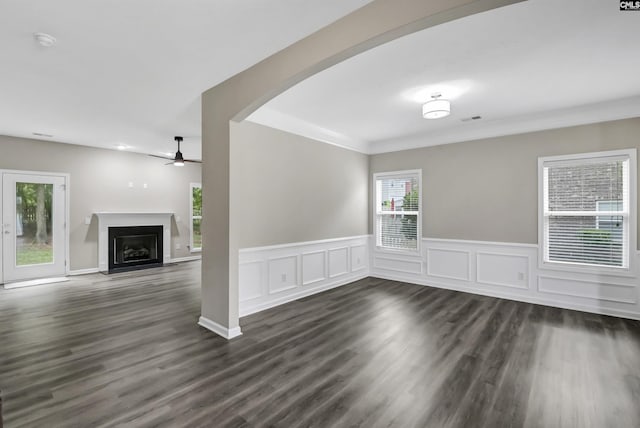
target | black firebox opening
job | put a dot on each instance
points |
(135, 247)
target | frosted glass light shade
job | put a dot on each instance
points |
(436, 109)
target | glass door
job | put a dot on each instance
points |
(33, 226)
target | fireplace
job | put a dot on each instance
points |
(128, 220)
(135, 247)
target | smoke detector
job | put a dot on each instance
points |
(46, 40)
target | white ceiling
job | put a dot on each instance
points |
(131, 72)
(535, 65)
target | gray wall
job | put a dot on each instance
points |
(488, 189)
(287, 188)
(99, 182)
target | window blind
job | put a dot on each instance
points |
(398, 211)
(586, 211)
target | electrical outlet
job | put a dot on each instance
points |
(87, 220)
(131, 185)
(284, 277)
(520, 276)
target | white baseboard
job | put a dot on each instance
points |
(185, 259)
(218, 329)
(33, 282)
(83, 271)
(508, 296)
(252, 309)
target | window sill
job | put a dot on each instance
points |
(196, 250)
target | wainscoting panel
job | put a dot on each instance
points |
(620, 293)
(314, 267)
(251, 275)
(338, 261)
(505, 270)
(358, 258)
(283, 273)
(271, 276)
(509, 271)
(448, 263)
(397, 264)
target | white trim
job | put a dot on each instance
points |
(347, 260)
(630, 270)
(516, 297)
(531, 122)
(300, 244)
(124, 219)
(514, 276)
(257, 292)
(391, 175)
(492, 243)
(581, 296)
(185, 259)
(33, 282)
(275, 119)
(67, 219)
(83, 271)
(227, 333)
(495, 283)
(325, 257)
(450, 250)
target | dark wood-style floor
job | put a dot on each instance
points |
(125, 350)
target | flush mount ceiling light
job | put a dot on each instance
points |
(436, 108)
(44, 39)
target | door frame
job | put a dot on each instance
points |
(67, 216)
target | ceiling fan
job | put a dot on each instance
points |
(178, 159)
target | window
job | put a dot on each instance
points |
(195, 211)
(588, 209)
(397, 209)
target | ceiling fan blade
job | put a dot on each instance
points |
(161, 157)
(169, 163)
(192, 161)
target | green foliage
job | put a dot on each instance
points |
(411, 201)
(595, 236)
(197, 201)
(34, 254)
(28, 194)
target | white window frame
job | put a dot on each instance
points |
(377, 211)
(192, 217)
(629, 253)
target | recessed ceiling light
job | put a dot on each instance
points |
(44, 39)
(122, 147)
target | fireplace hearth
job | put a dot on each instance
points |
(135, 247)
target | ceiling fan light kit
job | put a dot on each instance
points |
(436, 108)
(178, 159)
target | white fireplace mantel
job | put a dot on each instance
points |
(119, 219)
